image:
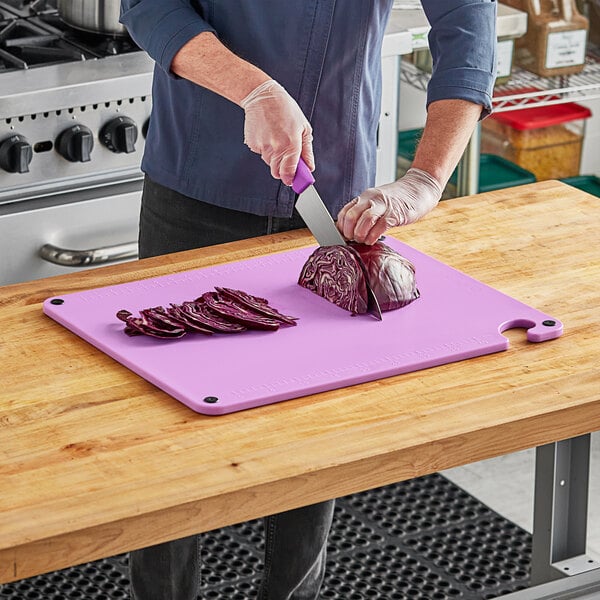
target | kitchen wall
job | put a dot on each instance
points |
(590, 162)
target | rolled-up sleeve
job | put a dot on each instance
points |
(162, 27)
(463, 42)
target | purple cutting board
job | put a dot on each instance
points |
(455, 318)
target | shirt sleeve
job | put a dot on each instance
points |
(162, 27)
(462, 41)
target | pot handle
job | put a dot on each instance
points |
(94, 256)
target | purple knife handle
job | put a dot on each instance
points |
(303, 178)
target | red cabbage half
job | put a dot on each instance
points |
(391, 276)
(336, 273)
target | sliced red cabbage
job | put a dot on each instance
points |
(189, 321)
(224, 311)
(159, 317)
(200, 311)
(148, 328)
(123, 315)
(259, 305)
(238, 313)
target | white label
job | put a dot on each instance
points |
(504, 58)
(419, 37)
(565, 48)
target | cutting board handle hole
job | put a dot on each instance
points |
(516, 330)
(536, 330)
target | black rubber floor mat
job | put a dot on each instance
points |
(423, 539)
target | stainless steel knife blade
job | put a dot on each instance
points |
(317, 218)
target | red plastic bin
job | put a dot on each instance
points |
(545, 140)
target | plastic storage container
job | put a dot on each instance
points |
(407, 145)
(555, 42)
(511, 24)
(505, 52)
(495, 172)
(585, 183)
(546, 140)
(423, 60)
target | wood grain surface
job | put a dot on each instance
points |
(95, 461)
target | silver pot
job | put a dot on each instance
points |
(97, 16)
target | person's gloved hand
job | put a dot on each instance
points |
(275, 127)
(365, 218)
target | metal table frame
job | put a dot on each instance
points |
(560, 568)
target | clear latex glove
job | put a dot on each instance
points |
(275, 127)
(366, 218)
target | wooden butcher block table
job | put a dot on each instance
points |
(95, 461)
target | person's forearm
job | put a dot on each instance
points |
(448, 129)
(274, 125)
(207, 62)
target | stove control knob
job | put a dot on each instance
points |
(15, 154)
(120, 135)
(75, 143)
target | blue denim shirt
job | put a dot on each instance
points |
(327, 54)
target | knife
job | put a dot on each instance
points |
(317, 218)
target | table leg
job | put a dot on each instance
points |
(560, 510)
(560, 568)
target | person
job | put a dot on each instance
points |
(241, 91)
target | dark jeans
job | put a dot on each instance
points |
(296, 540)
(171, 222)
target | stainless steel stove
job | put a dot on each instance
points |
(74, 108)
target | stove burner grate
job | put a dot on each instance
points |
(101, 44)
(29, 8)
(33, 34)
(24, 44)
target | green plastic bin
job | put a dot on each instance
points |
(407, 143)
(495, 172)
(586, 183)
